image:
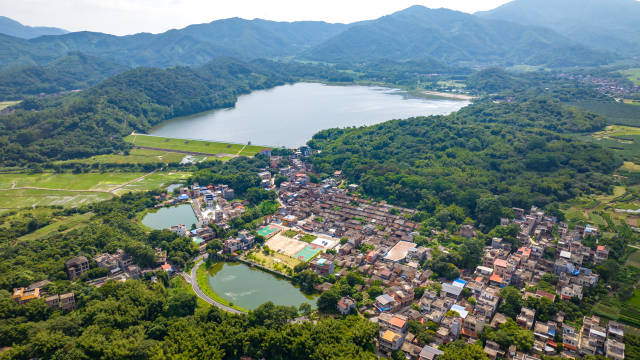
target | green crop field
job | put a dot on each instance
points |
(76, 189)
(632, 74)
(136, 156)
(68, 181)
(634, 259)
(17, 199)
(156, 181)
(198, 146)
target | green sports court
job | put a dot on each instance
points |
(308, 252)
(268, 231)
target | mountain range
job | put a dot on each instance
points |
(508, 35)
(611, 25)
(16, 29)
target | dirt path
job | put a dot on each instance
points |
(111, 191)
(131, 182)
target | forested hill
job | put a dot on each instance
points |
(522, 153)
(415, 33)
(69, 72)
(13, 28)
(94, 121)
(601, 24)
(192, 46)
(453, 37)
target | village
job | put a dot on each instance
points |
(329, 227)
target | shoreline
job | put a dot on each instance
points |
(449, 95)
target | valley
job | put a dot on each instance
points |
(431, 184)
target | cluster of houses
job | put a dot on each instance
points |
(120, 266)
(461, 308)
(23, 295)
(327, 209)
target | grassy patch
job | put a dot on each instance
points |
(199, 146)
(202, 276)
(290, 233)
(634, 259)
(61, 225)
(274, 261)
(308, 238)
(630, 166)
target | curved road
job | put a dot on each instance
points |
(202, 295)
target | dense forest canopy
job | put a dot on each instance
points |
(521, 152)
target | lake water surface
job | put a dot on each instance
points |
(290, 115)
(171, 216)
(249, 288)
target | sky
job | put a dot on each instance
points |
(121, 17)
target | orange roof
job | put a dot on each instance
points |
(496, 278)
(525, 251)
(396, 321)
(470, 333)
(389, 336)
(500, 262)
(166, 267)
(600, 248)
(479, 279)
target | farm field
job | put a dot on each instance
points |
(199, 146)
(77, 189)
(68, 181)
(20, 198)
(632, 74)
(604, 210)
(155, 181)
(136, 156)
(6, 104)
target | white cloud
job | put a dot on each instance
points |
(132, 16)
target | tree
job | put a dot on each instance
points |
(459, 350)
(305, 309)
(181, 304)
(488, 212)
(511, 301)
(328, 301)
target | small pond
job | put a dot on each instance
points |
(249, 288)
(171, 216)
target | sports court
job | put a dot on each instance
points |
(285, 245)
(268, 231)
(308, 252)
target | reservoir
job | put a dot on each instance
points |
(249, 288)
(171, 216)
(290, 115)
